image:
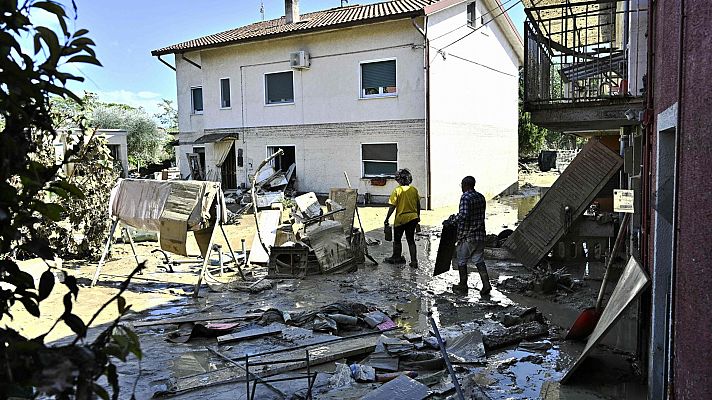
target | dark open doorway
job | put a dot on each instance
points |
(228, 170)
(283, 162)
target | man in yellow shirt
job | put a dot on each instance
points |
(405, 201)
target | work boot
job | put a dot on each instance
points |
(462, 286)
(413, 256)
(394, 260)
(486, 286)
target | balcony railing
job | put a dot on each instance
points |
(575, 52)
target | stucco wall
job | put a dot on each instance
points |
(473, 106)
(692, 297)
(325, 93)
(324, 151)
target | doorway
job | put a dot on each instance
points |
(228, 170)
(283, 162)
(663, 265)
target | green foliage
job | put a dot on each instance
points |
(31, 192)
(145, 141)
(168, 116)
(532, 138)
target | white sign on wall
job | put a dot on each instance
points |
(623, 200)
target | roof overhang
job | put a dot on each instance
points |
(504, 22)
(216, 137)
(293, 33)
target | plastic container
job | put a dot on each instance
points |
(388, 232)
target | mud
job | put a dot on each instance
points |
(406, 293)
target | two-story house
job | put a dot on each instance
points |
(426, 85)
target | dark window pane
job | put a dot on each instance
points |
(378, 74)
(380, 152)
(379, 168)
(279, 88)
(197, 94)
(224, 93)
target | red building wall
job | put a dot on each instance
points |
(692, 320)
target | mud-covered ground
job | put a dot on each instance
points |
(408, 294)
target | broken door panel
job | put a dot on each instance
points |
(576, 188)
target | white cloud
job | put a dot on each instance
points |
(146, 99)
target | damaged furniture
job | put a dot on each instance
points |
(317, 242)
(171, 208)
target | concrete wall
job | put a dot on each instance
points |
(118, 137)
(692, 336)
(473, 106)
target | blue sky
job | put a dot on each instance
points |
(126, 31)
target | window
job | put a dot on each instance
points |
(115, 151)
(475, 19)
(378, 78)
(225, 93)
(196, 98)
(379, 159)
(279, 88)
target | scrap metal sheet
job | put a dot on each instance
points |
(631, 284)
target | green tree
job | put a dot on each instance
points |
(168, 116)
(532, 137)
(28, 192)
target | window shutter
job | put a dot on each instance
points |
(380, 152)
(280, 88)
(197, 99)
(378, 74)
(225, 92)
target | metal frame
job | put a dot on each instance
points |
(206, 260)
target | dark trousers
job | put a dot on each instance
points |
(409, 230)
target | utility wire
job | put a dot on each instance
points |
(464, 25)
(479, 64)
(482, 26)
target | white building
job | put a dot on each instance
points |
(420, 84)
(116, 141)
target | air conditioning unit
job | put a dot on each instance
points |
(299, 60)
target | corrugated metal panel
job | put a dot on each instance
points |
(576, 187)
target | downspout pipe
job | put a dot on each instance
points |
(676, 203)
(426, 58)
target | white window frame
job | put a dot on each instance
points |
(264, 88)
(362, 94)
(221, 93)
(363, 169)
(192, 103)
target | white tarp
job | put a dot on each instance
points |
(169, 207)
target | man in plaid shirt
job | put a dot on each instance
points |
(470, 246)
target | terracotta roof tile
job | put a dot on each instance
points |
(309, 22)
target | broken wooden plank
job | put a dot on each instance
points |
(577, 186)
(193, 318)
(319, 354)
(347, 199)
(269, 223)
(250, 334)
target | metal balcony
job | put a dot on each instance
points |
(576, 64)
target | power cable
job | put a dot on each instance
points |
(464, 25)
(479, 64)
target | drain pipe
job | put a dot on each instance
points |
(426, 63)
(676, 203)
